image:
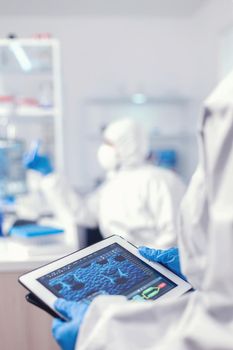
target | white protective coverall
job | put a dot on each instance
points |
(202, 319)
(138, 201)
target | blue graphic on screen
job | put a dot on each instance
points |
(111, 270)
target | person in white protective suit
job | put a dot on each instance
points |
(198, 320)
(137, 200)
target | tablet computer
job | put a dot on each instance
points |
(112, 266)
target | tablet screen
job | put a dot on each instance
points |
(111, 270)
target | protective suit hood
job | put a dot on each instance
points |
(129, 140)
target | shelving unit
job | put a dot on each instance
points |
(30, 92)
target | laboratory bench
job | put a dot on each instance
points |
(22, 325)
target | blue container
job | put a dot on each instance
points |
(1, 224)
(166, 158)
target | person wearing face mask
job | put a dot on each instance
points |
(137, 200)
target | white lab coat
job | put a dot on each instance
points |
(200, 320)
(138, 203)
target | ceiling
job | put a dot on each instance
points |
(157, 8)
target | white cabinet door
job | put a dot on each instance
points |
(22, 326)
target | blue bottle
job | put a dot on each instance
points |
(1, 224)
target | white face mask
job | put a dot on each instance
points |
(107, 157)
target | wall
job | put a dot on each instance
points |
(102, 56)
(227, 52)
(211, 24)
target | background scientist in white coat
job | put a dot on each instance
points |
(202, 319)
(137, 200)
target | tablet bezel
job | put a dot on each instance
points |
(29, 280)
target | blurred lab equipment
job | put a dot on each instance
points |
(137, 200)
(36, 239)
(12, 149)
(1, 224)
(46, 95)
(31, 80)
(166, 158)
(33, 230)
(12, 173)
(41, 163)
(31, 100)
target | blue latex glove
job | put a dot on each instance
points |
(169, 258)
(41, 163)
(66, 332)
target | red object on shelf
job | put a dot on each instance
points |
(6, 99)
(42, 36)
(28, 101)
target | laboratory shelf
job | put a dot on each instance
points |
(30, 112)
(31, 42)
(31, 92)
(173, 137)
(129, 100)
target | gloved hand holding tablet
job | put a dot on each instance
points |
(110, 267)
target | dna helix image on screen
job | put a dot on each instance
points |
(112, 271)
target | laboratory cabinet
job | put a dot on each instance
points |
(22, 326)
